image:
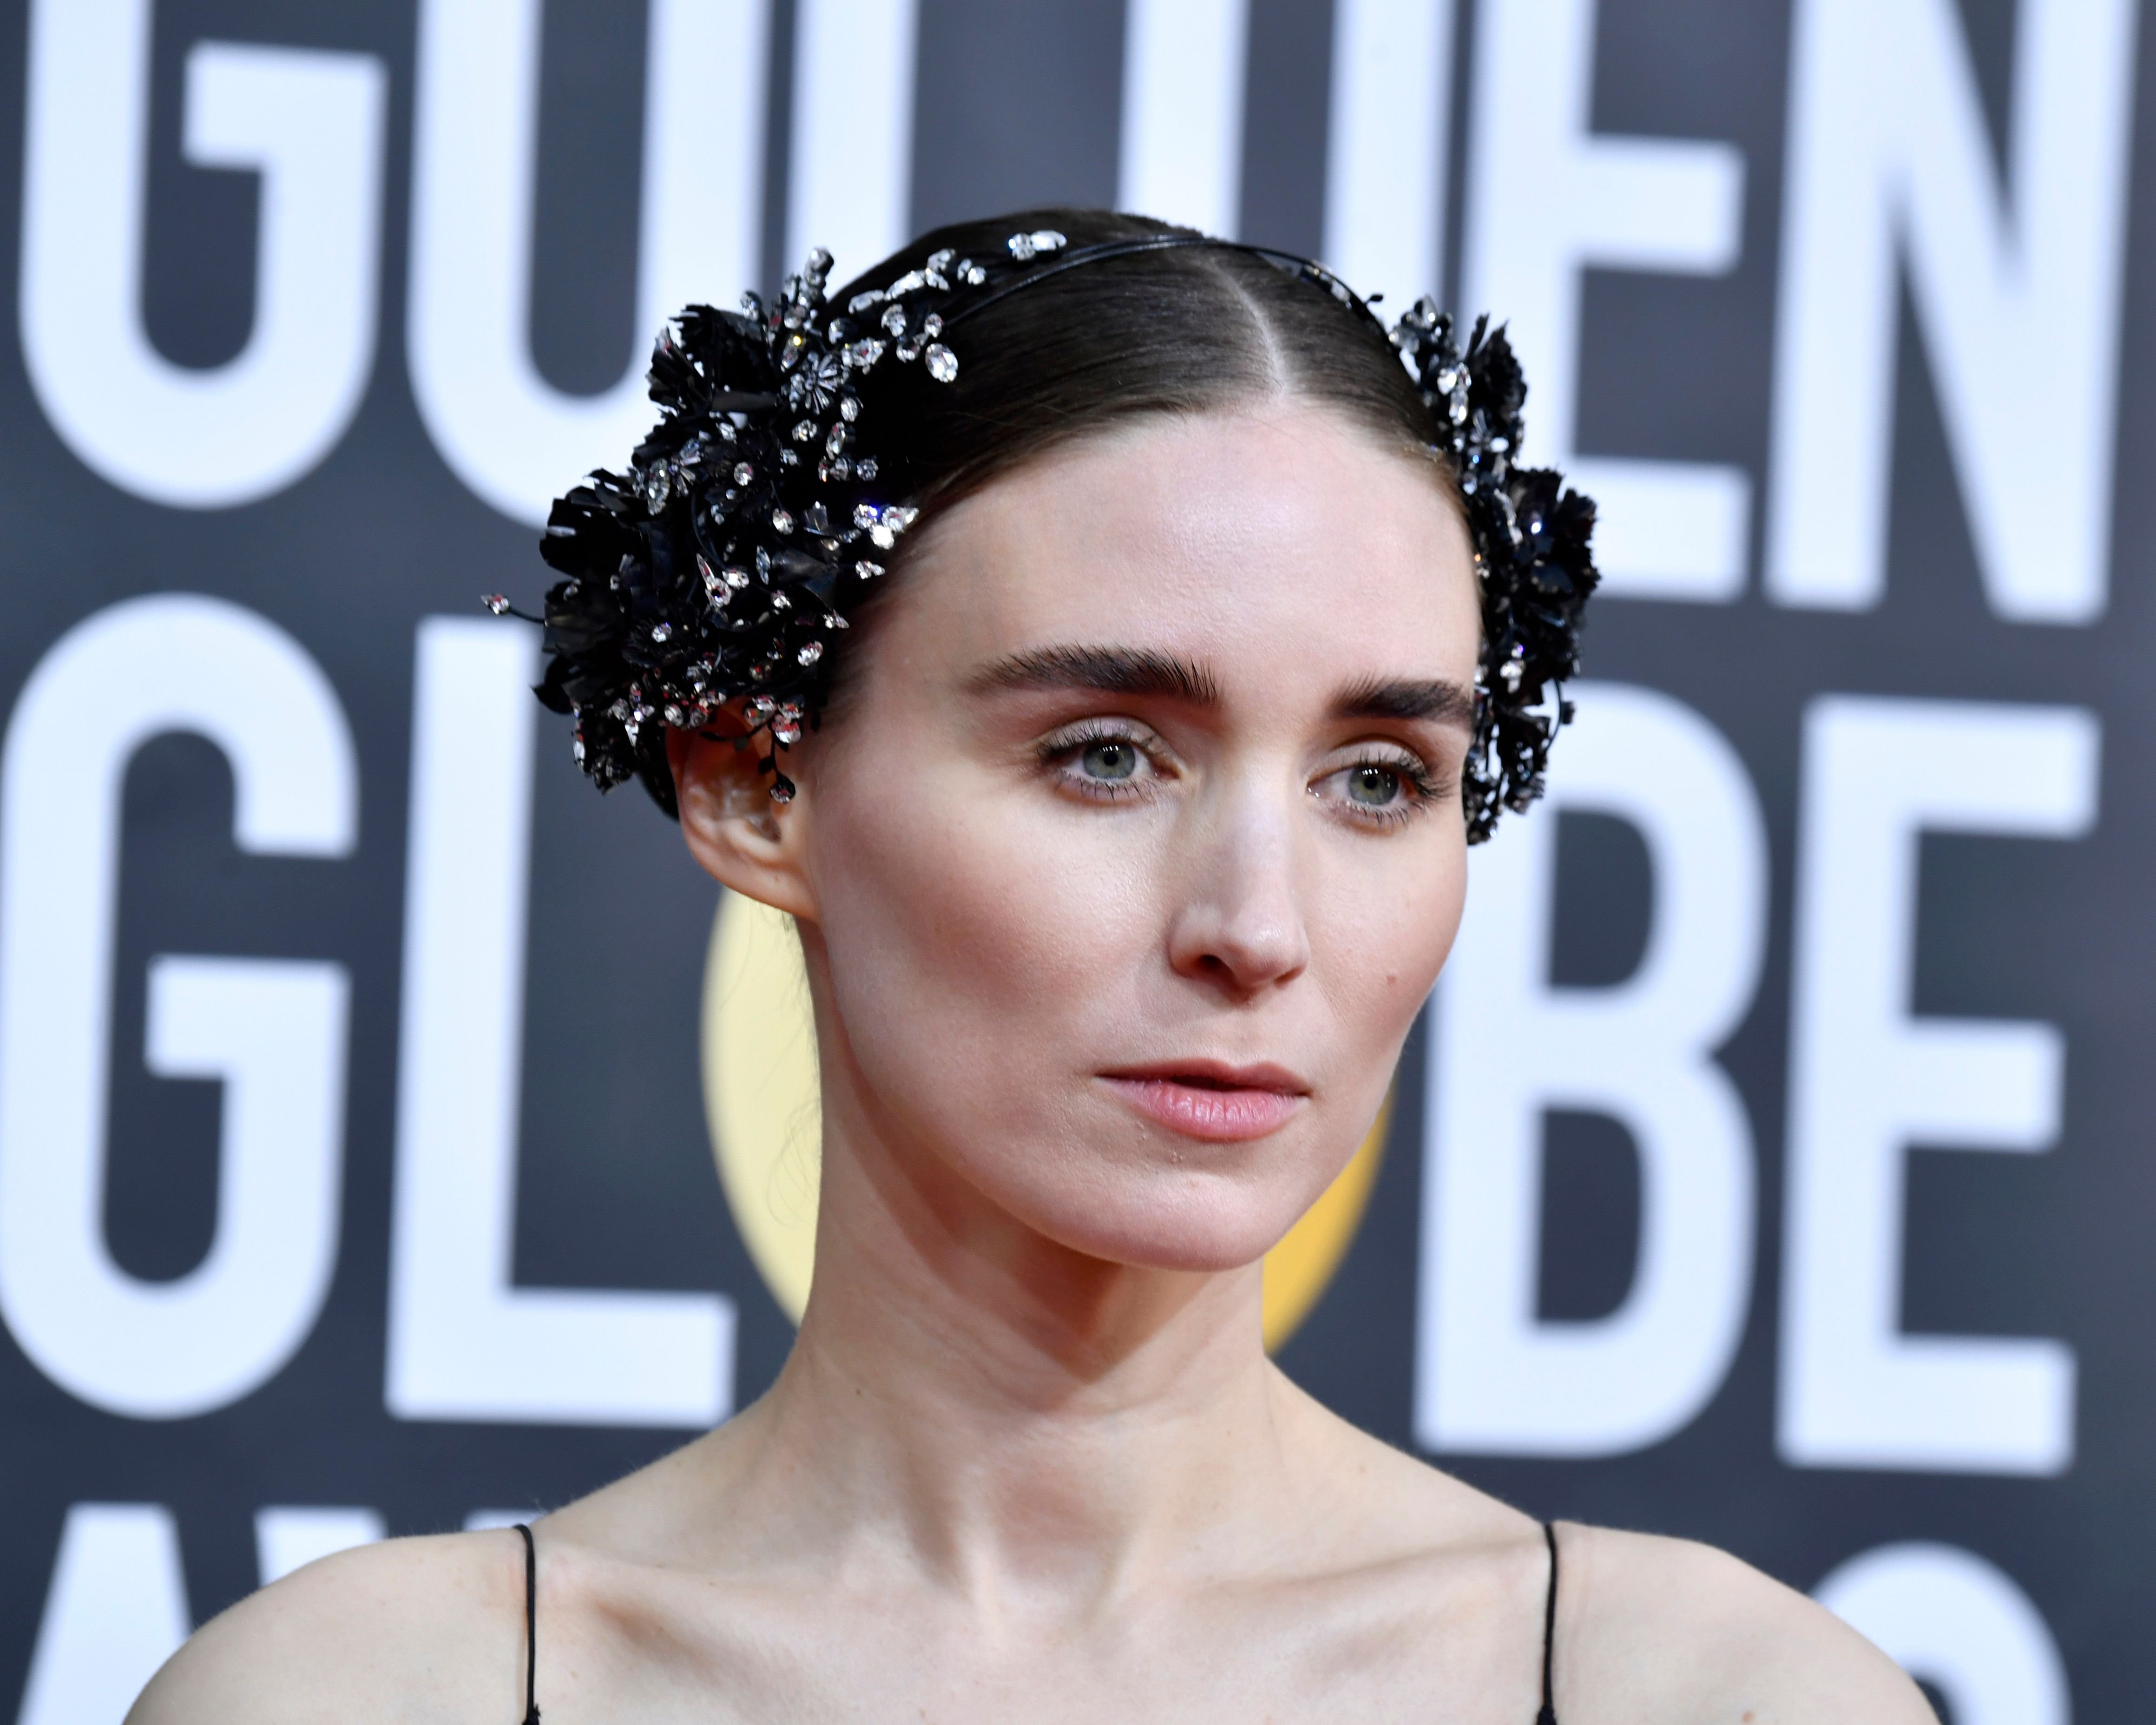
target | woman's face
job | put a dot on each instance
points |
(1139, 842)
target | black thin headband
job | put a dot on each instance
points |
(1293, 262)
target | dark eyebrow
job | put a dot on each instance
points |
(1113, 670)
(1406, 698)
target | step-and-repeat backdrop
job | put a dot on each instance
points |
(1771, 1166)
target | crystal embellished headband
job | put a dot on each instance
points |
(721, 567)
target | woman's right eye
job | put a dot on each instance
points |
(1109, 759)
(1110, 765)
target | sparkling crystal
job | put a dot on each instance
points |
(909, 350)
(804, 431)
(868, 571)
(864, 353)
(811, 653)
(494, 602)
(656, 487)
(932, 326)
(1021, 246)
(735, 577)
(861, 302)
(675, 716)
(780, 602)
(838, 439)
(762, 708)
(781, 520)
(972, 274)
(781, 789)
(884, 537)
(894, 319)
(783, 734)
(865, 468)
(866, 515)
(942, 363)
(787, 458)
(912, 282)
(816, 518)
(661, 632)
(743, 473)
(941, 261)
(850, 408)
(900, 517)
(819, 262)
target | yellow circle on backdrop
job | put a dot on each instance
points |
(761, 1101)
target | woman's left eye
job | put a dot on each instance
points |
(1379, 790)
(1374, 787)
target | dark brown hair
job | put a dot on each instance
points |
(1183, 329)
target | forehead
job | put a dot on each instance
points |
(1282, 543)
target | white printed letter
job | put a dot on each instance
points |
(1545, 198)
(273, 1030)
(1947, 1616)
(851, 161)
(2018, 295)
(1384, 161)
(464, 1342)
(510, 435)
(116, 1611)
(1867, 1081)
(1506, 1047)
(1183, 74)
(310, 124)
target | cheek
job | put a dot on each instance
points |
(1377, 946)
(968, 947)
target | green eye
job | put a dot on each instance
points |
(1373, 786)
(1109, 759)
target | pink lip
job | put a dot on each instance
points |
(1213, 1100)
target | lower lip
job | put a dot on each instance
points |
(1223, 1117)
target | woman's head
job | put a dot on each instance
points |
(1138, 841)
(1138, 836)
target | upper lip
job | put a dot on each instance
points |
(1218, 1074)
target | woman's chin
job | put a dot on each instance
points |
(1192, 1222)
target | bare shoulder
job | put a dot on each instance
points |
(413, 1629)
(1649, 1628)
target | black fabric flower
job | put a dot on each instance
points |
(1532, 537)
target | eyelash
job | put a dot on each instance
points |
(1425, 787)
(1062, 749)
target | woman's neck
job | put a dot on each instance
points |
(1011, 1419)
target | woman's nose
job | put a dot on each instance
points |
(1240, 924)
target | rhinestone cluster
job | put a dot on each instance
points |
(721, 565)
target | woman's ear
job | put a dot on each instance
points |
(745, 841)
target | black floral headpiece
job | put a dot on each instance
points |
(722, 566)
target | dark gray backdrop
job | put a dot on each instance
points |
(1017, 105)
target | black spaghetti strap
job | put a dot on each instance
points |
(1548, 1715)
(530, 1627)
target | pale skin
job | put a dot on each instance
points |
(1149, 773)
